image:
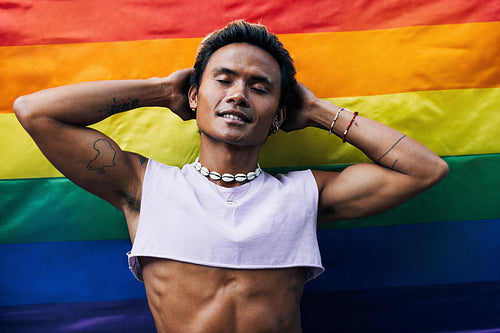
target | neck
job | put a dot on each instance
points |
(228, 158)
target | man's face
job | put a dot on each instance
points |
(239, 95)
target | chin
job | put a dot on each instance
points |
(236, 140)
(235, 135)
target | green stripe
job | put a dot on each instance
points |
(469, 192)
(54, 209)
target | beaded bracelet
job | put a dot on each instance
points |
(348, 127)
(335, 119)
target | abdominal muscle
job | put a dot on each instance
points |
(185, 297)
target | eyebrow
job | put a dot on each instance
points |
(258, 78)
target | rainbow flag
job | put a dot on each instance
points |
(429, 68)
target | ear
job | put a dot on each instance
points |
(193, 97)
(280, 116)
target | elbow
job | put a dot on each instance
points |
(442, 170)
(439, 170)
(23, 111)
(20, 107)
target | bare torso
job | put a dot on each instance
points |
(191, 298)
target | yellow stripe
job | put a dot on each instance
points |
(153, 132)
(450, 122)
(335, 64)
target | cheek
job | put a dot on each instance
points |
(269, 111)
(205, 112)
(207, 100)
(265, 124)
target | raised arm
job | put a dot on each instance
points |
(56, 119)
(403, 167)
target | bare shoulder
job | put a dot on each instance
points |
(361, 190)
(323, 177)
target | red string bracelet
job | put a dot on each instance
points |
(349, 126)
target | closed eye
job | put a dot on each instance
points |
(260, 91)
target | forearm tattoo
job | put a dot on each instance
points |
(390, 149)
(394, 164)
(119, 106)
(105, 157)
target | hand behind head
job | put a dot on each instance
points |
(299, 108)
(176, 87)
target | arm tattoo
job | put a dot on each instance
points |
(120, 106)
(394, 145)
(105, 157)
(141, 158)
(394, 164)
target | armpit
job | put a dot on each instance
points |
(132, 202)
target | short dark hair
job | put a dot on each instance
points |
(240, 31)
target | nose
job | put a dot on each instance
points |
(237, 95)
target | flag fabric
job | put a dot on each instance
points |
(429, 68)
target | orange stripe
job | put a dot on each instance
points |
(398, 60)
(32, 68)
(331, 64)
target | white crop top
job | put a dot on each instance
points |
(269, 222)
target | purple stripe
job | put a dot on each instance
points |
(450, 308)
(128, 316)
(467, 308)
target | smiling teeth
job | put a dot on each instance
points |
(232, 116)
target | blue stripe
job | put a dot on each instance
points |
(365, 258)
(406, 255)
(66, 272)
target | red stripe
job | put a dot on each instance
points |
(53, 22)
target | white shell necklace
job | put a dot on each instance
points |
(227, 177)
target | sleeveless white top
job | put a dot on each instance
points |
(269, 222)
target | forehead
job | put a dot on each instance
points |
(245, 59)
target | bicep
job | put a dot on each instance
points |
(88, 158)
(362, 190)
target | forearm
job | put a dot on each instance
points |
(384, 145)
(89, 102)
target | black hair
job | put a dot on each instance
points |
(240, 31)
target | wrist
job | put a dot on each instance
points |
(161, 91)
(322, 114)
(336, 120)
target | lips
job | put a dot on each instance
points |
(232, 116)
(235, 115)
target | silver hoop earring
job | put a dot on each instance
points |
(275, 129)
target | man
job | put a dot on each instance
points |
(220, 245)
